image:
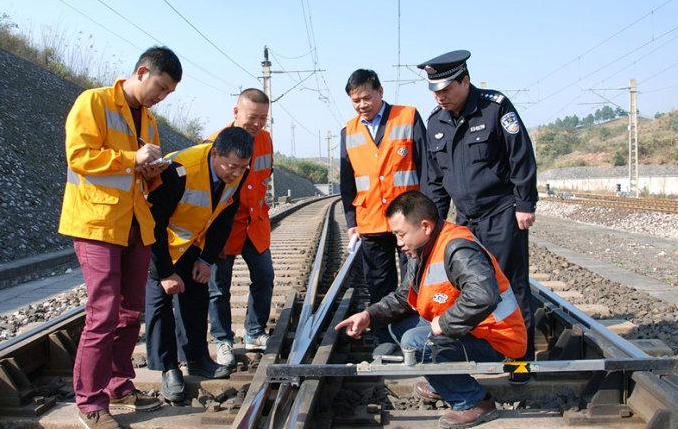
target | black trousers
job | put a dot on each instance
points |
(176, 325)
(499, 233)
(379, 264)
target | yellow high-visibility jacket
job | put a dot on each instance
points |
(103, 191)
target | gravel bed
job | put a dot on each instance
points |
(655, 318)
(30, 316)
(641, 253)
(664, 225)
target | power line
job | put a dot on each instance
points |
(162, 43)
(578, 57)
(310, 34)
(603, 67)
(289, 58)
(210, 42)
(659, 89)
(295, 120)
(658, 73)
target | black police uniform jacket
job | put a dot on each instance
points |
(483, 160)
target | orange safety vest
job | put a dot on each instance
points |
(504, 329)
(193, 215)
(381, 173)
(252, 218)
(103, 191)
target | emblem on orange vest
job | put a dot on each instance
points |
(402, 151)
(440, 298)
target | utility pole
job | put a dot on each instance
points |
(633, 138)
(294, 152)
(320, 152)
(329, 163)
(266, 73)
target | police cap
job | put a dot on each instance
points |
(443, 69)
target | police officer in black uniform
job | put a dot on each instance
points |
(480, 155)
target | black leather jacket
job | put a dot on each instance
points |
(468, 268)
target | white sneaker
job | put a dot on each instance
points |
(225, 354)
(258, 343)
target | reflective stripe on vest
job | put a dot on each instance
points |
(180, 232)
(151, 133)
(263, 162)
(506, 306)
(436, 274)
(196, 198)
(116, 121)
(228, 193)
(402, 132)
(362, 183)
(405, 178)
(355, 140)
(117, 181)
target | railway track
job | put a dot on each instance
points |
(637, 204)
(311, 295)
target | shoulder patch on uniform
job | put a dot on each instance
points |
(495, 96)
(181, 171)
(434, 111)
(510, 123)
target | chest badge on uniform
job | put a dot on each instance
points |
(510, 123)
(477, 128)
(440, 298)
(403, 151)
(439, 136)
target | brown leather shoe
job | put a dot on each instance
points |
(483, 412)
(422, 390)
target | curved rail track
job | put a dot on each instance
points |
(585, 375)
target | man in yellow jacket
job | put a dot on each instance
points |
(112, 148)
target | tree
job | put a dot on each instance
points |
(618, 159)
(659, 115)
(606, 113)
(588, 120)
(620, 112)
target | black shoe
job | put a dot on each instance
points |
(173, 385)
(207, 368)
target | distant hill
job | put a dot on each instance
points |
(606, 144)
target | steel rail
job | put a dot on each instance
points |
(303, 339)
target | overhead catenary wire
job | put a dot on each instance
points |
(210, 41)
(140, 48)
(193, 63)
(597, 45)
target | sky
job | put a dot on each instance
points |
(551, 59)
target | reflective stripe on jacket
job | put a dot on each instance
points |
(381, 173)
(103, 191)
(504, 328)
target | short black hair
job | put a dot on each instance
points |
(461, 77)
(362, 77)
(234, 140)
(255, 95)
(161, 59)
(414, 206)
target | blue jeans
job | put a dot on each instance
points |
(260, 266)
(461, 391)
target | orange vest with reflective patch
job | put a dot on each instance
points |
(381, 173)
(194, 214)
(252, 218)
(504, 329)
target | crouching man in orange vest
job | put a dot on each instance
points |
(454, 289)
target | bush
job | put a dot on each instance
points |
(313, 171)
(618, 159)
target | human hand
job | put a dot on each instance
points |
(147, 153)
(525, 220)
(172, 284)
(435, 326)
(355, 325)
(201, 271)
